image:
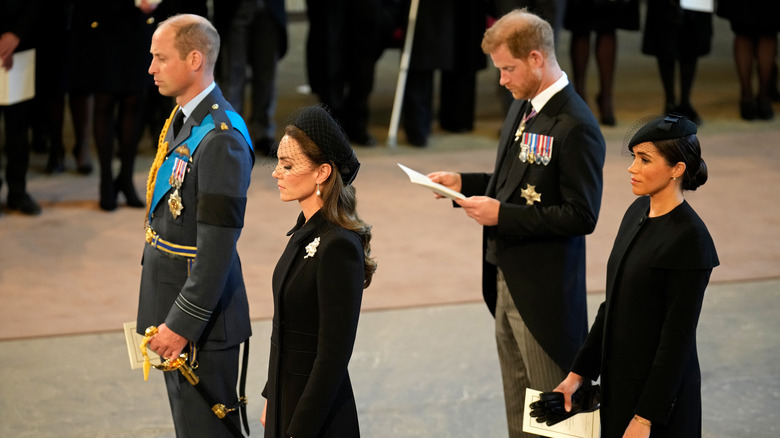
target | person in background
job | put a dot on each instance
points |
(317, 284)
(17, 33)
(542, 198)
(584, 17)
(755, 25)
(192, 287)
(677, 37)
(52, 81)
(255, 33)
(342, 47)
(112, 41)
(643, 341)
(446, 38)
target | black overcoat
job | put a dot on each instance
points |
(643, 341)
(541, 247)
(111, 41)
(317, 297)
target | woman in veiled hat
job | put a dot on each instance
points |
(643, 341)
(317, 284)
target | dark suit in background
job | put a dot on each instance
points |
(446, 38)
(255, 35)
(643, 341)
(342, 47)
(201, 298)
(17, 20)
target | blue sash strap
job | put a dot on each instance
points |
(162, 184)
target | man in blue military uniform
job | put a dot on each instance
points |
(192, 287)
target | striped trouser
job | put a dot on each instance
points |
(524, 364)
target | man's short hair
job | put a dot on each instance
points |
(193, 32)
(522, 32)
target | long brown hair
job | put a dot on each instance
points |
(339, 199)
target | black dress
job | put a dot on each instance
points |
(601, 15)
(751, 17)
(673, 32)
(643, 341)
(111, 40)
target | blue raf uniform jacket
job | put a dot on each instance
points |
(202, 298)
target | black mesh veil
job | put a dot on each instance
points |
(318, 124)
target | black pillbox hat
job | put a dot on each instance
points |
(666, 127)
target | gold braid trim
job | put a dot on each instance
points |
(162, 151)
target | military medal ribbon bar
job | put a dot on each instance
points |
(177, 178)
(536, 148)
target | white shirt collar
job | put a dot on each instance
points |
(541, 99)
(192, 104)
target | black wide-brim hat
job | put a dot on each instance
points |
(317, 122)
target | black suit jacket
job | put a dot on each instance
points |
(541, 247)
(317, 297)
(643, 341)
(206, 302)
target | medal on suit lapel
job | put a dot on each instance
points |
(182, 155)
(547, 150)
(520, 133)
(536, 148)
(521, 128)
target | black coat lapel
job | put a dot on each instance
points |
(505, 143)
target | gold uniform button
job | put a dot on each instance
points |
(150, 20)
(94, 25)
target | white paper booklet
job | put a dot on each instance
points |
(698, 5)
(418, 178)
(18, 83)
(583, 425)
(133, 341)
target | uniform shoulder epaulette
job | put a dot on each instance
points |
(221, 120)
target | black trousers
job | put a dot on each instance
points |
(192, 416)
(341, 52)
(457, 100)
(17, 146)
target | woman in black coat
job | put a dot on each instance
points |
(317, 284)
(643, 341)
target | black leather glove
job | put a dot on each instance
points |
(550, 408)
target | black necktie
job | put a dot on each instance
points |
(178, 121)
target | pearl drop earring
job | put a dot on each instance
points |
(318, 190)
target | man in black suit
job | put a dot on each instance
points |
(17, 30)
(536, 208)
(192, 287)
(342, 48)
(255, 35)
